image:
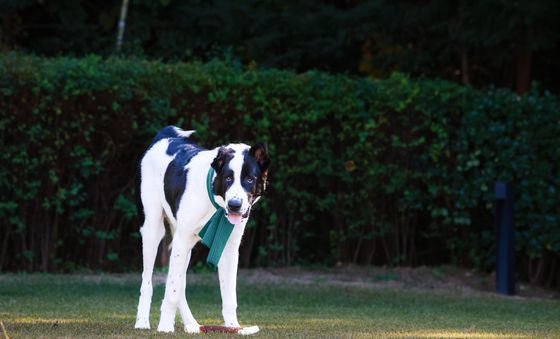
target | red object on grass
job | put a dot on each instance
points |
(218, 328)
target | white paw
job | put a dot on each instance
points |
(231, 323)
(166, 320)
(142, 324)
(249, 330)
(167, 328)
(195, 328)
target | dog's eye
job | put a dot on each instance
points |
(229, 178)
(249, 180)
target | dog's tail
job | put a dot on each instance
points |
(172, 132)
(182, 133)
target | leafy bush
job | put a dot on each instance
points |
(395, 171)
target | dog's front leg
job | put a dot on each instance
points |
(175, 285)
(189, 322)
(227, 271)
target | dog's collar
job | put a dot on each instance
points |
(209, 189)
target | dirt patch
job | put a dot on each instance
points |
(444, 279)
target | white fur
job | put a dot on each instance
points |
(192, 329)
(194, 210)
(183, 133)
(249, 330)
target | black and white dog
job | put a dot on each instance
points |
(172, 184)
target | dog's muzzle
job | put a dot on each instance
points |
(233, 213)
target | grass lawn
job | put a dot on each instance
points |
(284, 303)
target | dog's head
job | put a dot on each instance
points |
(241, 175)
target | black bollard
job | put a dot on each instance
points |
(505, 265)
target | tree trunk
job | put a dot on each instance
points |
(371, 253)
(355, 257)
(122, 24)
(523, 58)
(248, 247)
(465, 72)
(536, 273)
(523, 66)
(4, 248)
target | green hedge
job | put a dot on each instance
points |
(395, 171)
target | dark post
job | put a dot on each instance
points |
(505, 266)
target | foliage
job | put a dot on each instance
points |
(477, 41)
(396, 171)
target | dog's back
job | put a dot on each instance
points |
(179, 150)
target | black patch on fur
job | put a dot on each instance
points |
(174, 184)
(164, 133)
(260, 152)
(175, 179)
(180, 144)
(258, 157)
(223, 171)
(252, 179)
(176, 143)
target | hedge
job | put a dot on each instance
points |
(397, 171)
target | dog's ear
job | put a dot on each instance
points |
(260, 152)
(220, 159)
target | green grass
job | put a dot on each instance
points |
(105, 306)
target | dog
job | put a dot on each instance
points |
(173, 185)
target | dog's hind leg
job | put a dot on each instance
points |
(152, 232)
(183, 242)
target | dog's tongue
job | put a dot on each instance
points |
(234, 218)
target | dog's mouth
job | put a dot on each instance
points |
(236, 217)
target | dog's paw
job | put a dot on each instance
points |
(192, 329)
(249, 330)
(142, 324)
(167, 328)
(232, 323)
(166, 320)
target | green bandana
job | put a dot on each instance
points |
(217, 230)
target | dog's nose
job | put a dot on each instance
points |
(234, 205)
